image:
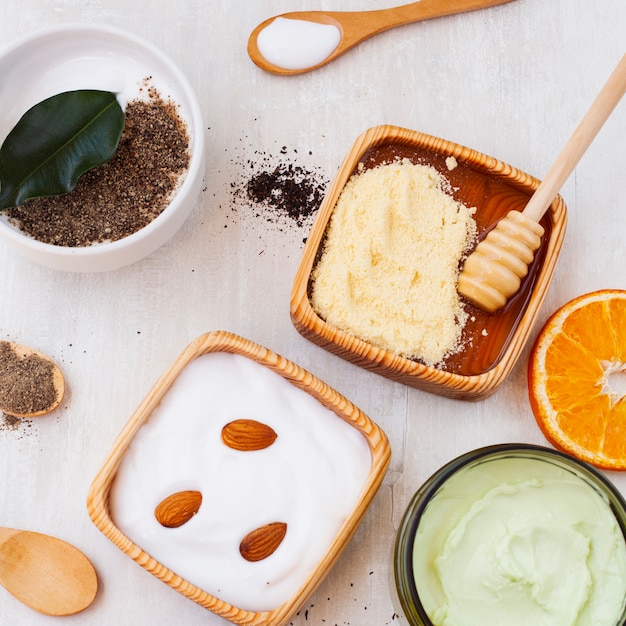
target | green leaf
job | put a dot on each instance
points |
(55, 142)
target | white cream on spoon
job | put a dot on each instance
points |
(297, 44)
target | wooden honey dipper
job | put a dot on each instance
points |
(493, 272)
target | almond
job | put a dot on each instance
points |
(263, 541)
(248, 435)
(178, 508)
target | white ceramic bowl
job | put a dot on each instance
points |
(84, 56)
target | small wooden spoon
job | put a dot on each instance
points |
(356, 26)
(492, 273)
(45, 573)
(8, 404)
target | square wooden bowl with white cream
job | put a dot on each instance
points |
(239, 480)
(377, 283)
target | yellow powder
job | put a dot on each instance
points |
(389, 268)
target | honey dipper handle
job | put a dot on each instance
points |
(578, 143)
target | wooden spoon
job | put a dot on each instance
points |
(28, 380)
(492, 273)
(45, 573)
(356, 26)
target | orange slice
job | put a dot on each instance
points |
(577, 379)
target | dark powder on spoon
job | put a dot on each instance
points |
(26, 382)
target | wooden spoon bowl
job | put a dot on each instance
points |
(356, 26)
(47, 574)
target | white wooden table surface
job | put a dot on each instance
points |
(511, 81)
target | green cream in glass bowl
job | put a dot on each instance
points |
(513, 534)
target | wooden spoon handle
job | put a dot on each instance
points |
(377, 20)
(584, 134)
(360, 25)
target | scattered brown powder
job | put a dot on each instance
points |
(10, 422)
(26, 382)
(124, 195)
(21, 426)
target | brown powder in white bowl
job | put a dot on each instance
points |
(390, 263)
(123, 195)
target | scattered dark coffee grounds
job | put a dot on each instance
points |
(20, 425)
(26, 382)
(278, 189)
(288, 189)
(123, 195)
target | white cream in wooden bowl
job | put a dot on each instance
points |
(311, 478)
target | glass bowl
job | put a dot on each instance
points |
(442, 489)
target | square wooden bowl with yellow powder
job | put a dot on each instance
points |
(377, 281)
